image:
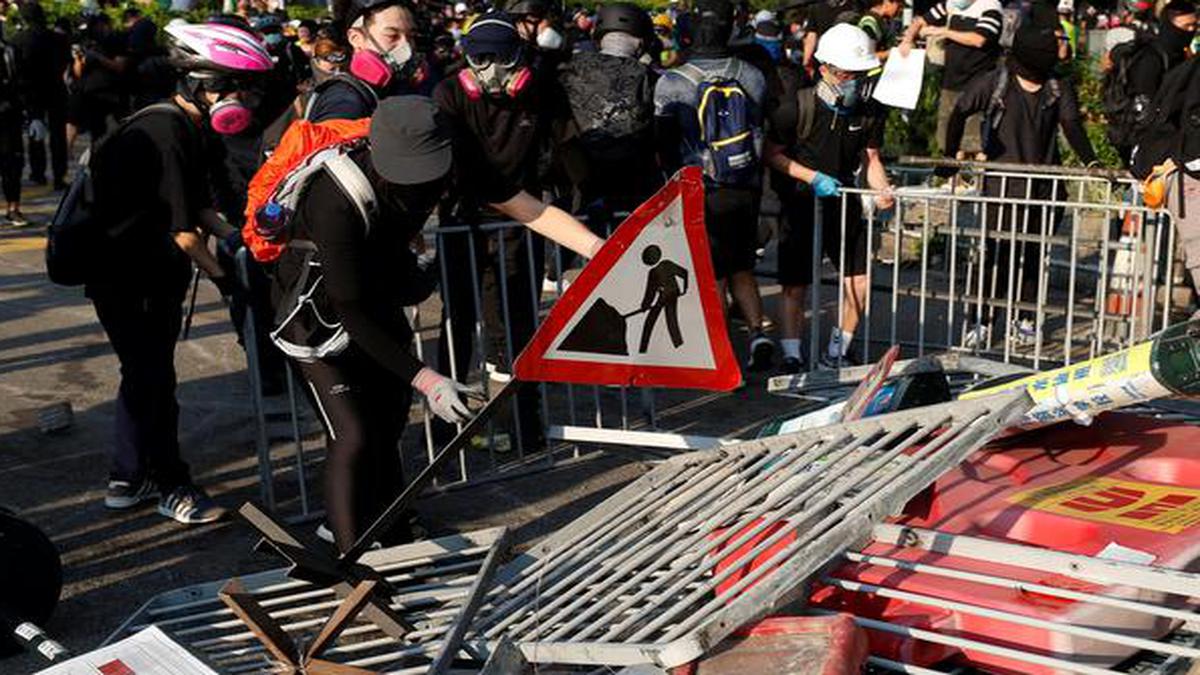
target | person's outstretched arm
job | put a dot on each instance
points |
(551, 222)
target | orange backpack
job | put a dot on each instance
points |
(305, 148)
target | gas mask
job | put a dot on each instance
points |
(379, 67)
(228, 115)
(486, 75)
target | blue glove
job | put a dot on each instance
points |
(824, 185)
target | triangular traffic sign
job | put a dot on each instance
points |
(645, 311)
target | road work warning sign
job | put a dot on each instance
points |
(645, 312)
(1146, 506)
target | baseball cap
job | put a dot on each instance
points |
(410, 140)
(493, 33)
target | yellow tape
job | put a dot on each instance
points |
(1145, 506)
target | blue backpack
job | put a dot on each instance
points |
(726, 129)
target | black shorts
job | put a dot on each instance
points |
(731, 217)
(796, 236)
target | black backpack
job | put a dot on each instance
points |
(75, 239)
(1127, 117)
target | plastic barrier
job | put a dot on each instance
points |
(1126, 488)
(798, 645)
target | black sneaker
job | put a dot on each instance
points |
(791, 365)
(189, 505)
(16, 218)
(761, 351)
(123, 494)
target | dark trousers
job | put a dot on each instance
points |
(507, 287)
(143, 331)
(56, 123)
(257, 298)
(1001, 254)
(364, 409)
(12, 157)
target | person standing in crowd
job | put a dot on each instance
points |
(971, 30)
(99, 68)
(1024, 106)
(44, 56)
(12, 121)
(819, 137)
(153, 190)
(535, 21)
(664, 28)
(502, 108)
(1068, 31)
(383, 62)
(306, 37)
(730, 156)
(878, 21)
(611, 96)
(1137, 70)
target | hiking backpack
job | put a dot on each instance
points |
(75, 239)
(611, 99)
(1126, 114)
(726, 129)
(306, 150)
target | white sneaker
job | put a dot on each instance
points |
(550, 286)
(1023, 333)
(496, 373)
(977, 337)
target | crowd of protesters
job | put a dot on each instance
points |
(524, 112)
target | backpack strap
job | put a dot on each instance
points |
(354, 184)
(361, 88)
(691, 72)
(995, 109)
(806, 113)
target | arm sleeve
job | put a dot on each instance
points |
(974, 99)
(989, 26)
(183, 182)
(339, 234)
(937, 15)
(1072, 124)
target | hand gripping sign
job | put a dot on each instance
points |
(645, 312)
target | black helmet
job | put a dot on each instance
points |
(538, 8)
(622, 17)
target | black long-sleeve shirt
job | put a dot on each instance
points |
(1028, 124)
(367, 271)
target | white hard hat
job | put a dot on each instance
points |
(848, 48)
(763, 15)
(1066, 6)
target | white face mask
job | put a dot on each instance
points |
(550, 39)
(400, 54)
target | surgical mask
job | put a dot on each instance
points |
(550, 39)
(960, 5)
(841, 96)
(273, 39)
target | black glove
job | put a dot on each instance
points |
(227, 284)
(231, 244)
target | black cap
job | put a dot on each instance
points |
(493, 33)
(410, 140)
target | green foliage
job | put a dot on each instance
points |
(915, 132)
(1089, 86)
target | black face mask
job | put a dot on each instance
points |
(416, 202)
(1033, 73)
(1174, 38)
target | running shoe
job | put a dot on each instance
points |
(189, 505)
(828, 362)
(1023, 333)
(791, 365)
(16, 218)
(977, 337)
(123, 494)
(761, 351)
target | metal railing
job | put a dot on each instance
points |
(1071, 252)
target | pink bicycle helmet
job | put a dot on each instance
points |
(217, 48)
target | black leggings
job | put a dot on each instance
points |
(364, 409)
(12, 157)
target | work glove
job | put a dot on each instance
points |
(824, 185)
(445, 395)
(37, 131)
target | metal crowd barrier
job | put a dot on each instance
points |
(1097, 266)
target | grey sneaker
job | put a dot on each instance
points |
(761, 351)
(189, 505)
(123, 494)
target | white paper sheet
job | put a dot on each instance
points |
(149, 652)
(900, 84)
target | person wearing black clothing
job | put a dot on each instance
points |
(99, 67)
(971, 33)
(1160, 54)
(154, 198)
(44, 56)
(1024, 106)
(12, 119)
(502, 111)
(363, 392)
(385, 62)
(818, 139)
